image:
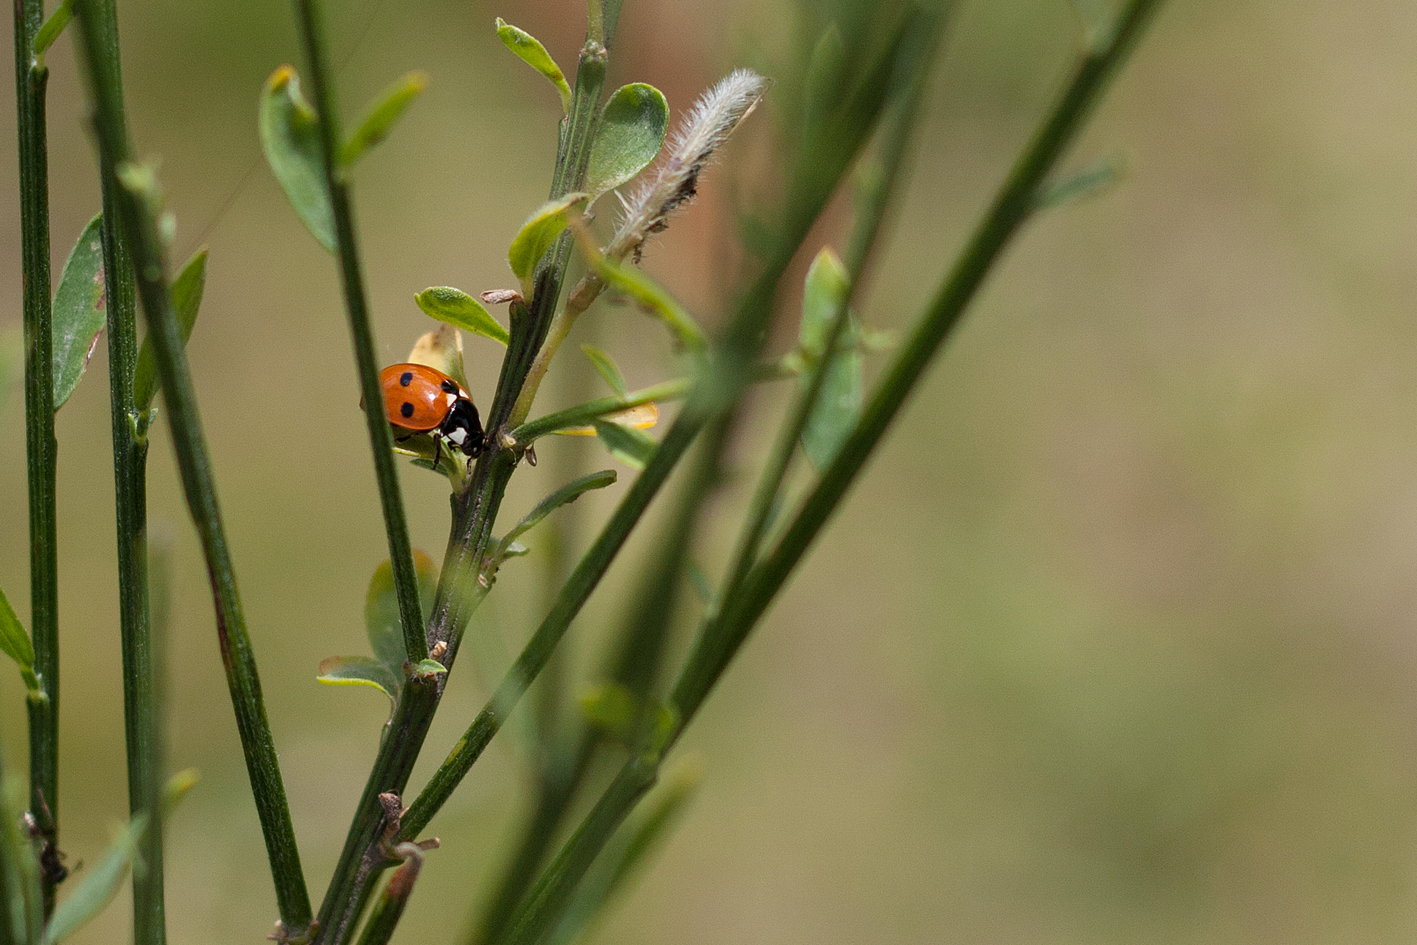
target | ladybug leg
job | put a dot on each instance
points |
(437, 450)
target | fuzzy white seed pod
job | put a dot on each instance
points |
(703, 131)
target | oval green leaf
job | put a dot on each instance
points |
(80, 306)
(632, 127)
(529, 49)
(607, 367)
(382, 115)
(457, 308)
(186, 300)
(381, 611)
(359, 671)
(290, 137)
(537, 234)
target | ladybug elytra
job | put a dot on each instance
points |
(420, 399)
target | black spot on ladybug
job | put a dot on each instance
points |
(406, 409)
(405, 379)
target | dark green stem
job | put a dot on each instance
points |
(321, 82)
(134, 197)
(465, 578)
(41, 448)
(389, 909)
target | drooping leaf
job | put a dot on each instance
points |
(529, 49)
(626, 444)
(632, 127)
(565, 495)
(98, 884)
(607, 367)
(15, 643)
(359, 671)
(381, 611)
(827, 289)
(50, 29)
(382, 115)
(457, 308)
(186, 301)
(80, 306)
(653, 298)
(290, 137)
(537, 234)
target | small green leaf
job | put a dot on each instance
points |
(529, 49)
(15, 643)
(99, 884)
(653, 298)
(80, 305)
(385, 111)
(838, 405)
(629, 446)
(290, 136)
(51, 28)
(177, 788)
(607, 367)
(381, 611)
(186, 300)
(1093, 179)
(457, 308)
(429, 667)
(632, 127)
(537, 234)
(565, 495)
(359, 671)
(514, 549)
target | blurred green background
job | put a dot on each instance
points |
(1114, 641)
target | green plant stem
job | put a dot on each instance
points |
(381, 442)
(141, 711)
(1011, 209)
(389, 909)
(562, 778)
(716, 649)
(465, 578)
(592, 410)
(878, 182)
(133, 206)
(41, 447)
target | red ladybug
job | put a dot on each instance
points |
(419, 399)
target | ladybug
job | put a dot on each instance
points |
(420, 399)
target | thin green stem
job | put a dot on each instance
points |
(465, 578)
(321, 80)
(392, 901)
(574, 593)
(41, 447)
(135, 197)
(715, 649)
(1009, 211)
(878, 182)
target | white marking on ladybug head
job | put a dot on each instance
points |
(457, 435)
